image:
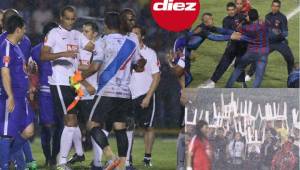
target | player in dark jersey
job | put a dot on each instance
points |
(279, 33)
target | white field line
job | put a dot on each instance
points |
(293, 13)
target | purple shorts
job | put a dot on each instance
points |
(46, 109)
(11, 124)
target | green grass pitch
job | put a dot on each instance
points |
(164, 154)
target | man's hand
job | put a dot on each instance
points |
(10, 104)
(236, 36)
(145, 102)
(91, 90)
(139, 67)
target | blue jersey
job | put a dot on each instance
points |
(12, 57)
(24, 44)
(44, 67)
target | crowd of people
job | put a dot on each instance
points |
(218, 148)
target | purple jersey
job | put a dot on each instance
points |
(12, 57)
(24, 44)
(45, 69)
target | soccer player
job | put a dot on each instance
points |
(256, 34)
(128, 21)
(115, 54)
(278, 33)
(142, 87)
(91, 31)
(61, 47)
(25, 46)
(234, 49)
(14, 124)
(51, 124)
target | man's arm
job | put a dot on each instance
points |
(5, 73)
(93, 68)
(153, 87)
(47, 55)
(284, 27)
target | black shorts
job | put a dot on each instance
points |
(144, 117)
(84, 109)
(63, 96)
(107, 110)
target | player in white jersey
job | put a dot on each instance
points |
(114, 57)
(128, 21)
(143, 86)
(90, 30)
(61, 47)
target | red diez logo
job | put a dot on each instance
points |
(175, 15)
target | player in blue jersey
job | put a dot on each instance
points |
(25, 46)
(51, 124)
(15, 127)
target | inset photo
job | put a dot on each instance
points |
(242, 129)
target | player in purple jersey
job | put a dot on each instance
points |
(14, 124)
(51, 124)
(25, 47)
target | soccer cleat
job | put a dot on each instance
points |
(247, 78)
(147, 162)
(76, 158)
(32, 165)
(113, 164)
(63, 167)
(208, 84)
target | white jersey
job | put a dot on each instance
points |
(61, 40)
(85, 59)
(117, 53)
(140, 82)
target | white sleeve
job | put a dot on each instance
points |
(154, 63)
(83, 40)
(99, 51)
(50, 39)
(137, 54)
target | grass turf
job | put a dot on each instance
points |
(164, 154)
(209, 53)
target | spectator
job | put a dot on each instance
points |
(219, 150)
(267, 151)
(1, 20)
(200, 153)
(236, 152)
(41, 16)
(285, 159)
